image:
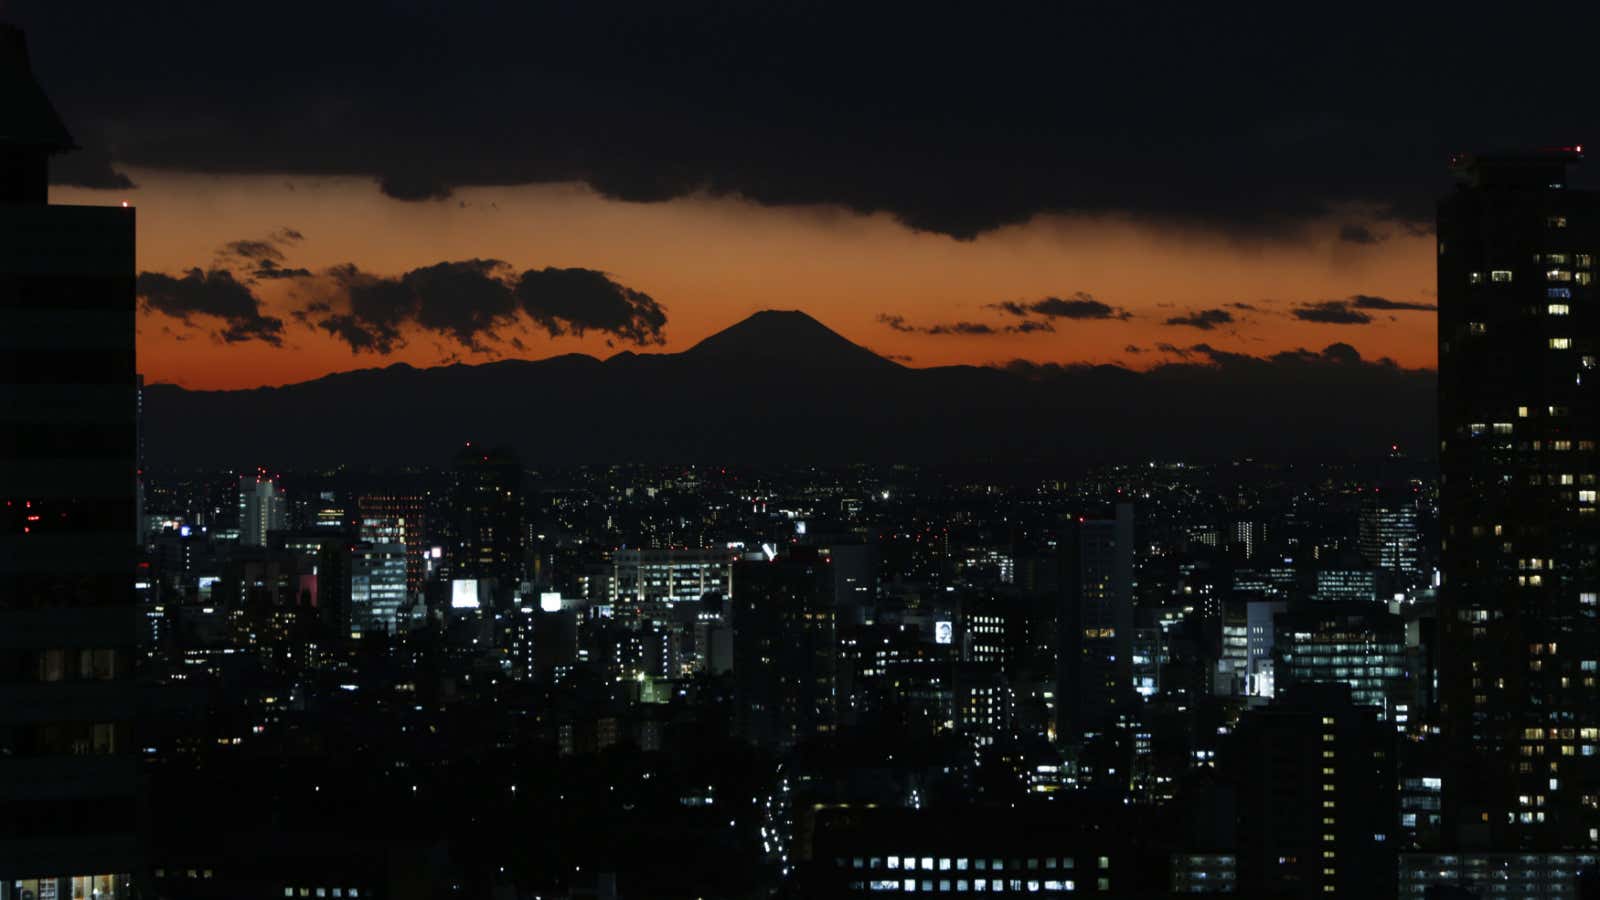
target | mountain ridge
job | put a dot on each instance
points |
(781, 386)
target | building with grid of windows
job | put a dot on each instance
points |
(1519, 424)
(70, 807)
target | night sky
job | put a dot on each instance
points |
(329, 186)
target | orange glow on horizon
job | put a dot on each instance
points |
(711, 262)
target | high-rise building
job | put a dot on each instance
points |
(397, 519)
(1316, 805)
(262, 508)
(1355, 644)
(377, 587)
(784, 649)
(1519, 476)
(69, 619)
(487, 503)
(1388, 532)
(1094, 624)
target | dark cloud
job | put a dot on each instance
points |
(1031, 326)
(90, 167)
(214, 294)
(252, 250)
(1204, 319)
(1080, 305)
(263, 258)
(1356, 233)
(1332, 360)
(960, 328)
(970, 329)
(1133, 348)
(1331, 312)
(470, 301)
(1367, 301)
(465, 301)
(582, 300)
(733, 104)
(1247, 307)
(271, 271)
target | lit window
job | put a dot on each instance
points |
(1558, 309)
(1560, 343)
(1557, 275)
(1583, 278)
(1474, 278)
(1555, 221)
(1500, 275)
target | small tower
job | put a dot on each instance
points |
(30, 131)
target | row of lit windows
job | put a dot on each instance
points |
(960, 864)
(1505, 276)
(996, 885)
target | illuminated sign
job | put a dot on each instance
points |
(464, 593)
(550, 602)
(944, 633)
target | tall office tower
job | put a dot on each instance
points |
(397, 519)
(1520, 562)
(69, 620)
(377, 587)
(1317, 811)
(262, 508)
(784, 649)
(1388, 532)
(487, 503)
(1094, 624)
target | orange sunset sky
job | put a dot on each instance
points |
(711, 261)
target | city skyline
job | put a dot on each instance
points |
(795, 451)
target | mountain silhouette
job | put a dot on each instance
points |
(780, 386)
(787, 337)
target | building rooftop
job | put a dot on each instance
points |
(29, 119)
(1543, 167)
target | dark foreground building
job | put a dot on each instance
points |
(1520, 472)
(69, 808)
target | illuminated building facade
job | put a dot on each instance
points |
(397, 519)
(262, 509)
(1519, 476)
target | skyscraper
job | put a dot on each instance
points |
(377, 587)
(262, 508)
(487, 495)
(1314, 779)
(390, 518)
(1518, 426)
(784, 649)
(68, 612)
(1094, 624)
(1388, 532)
